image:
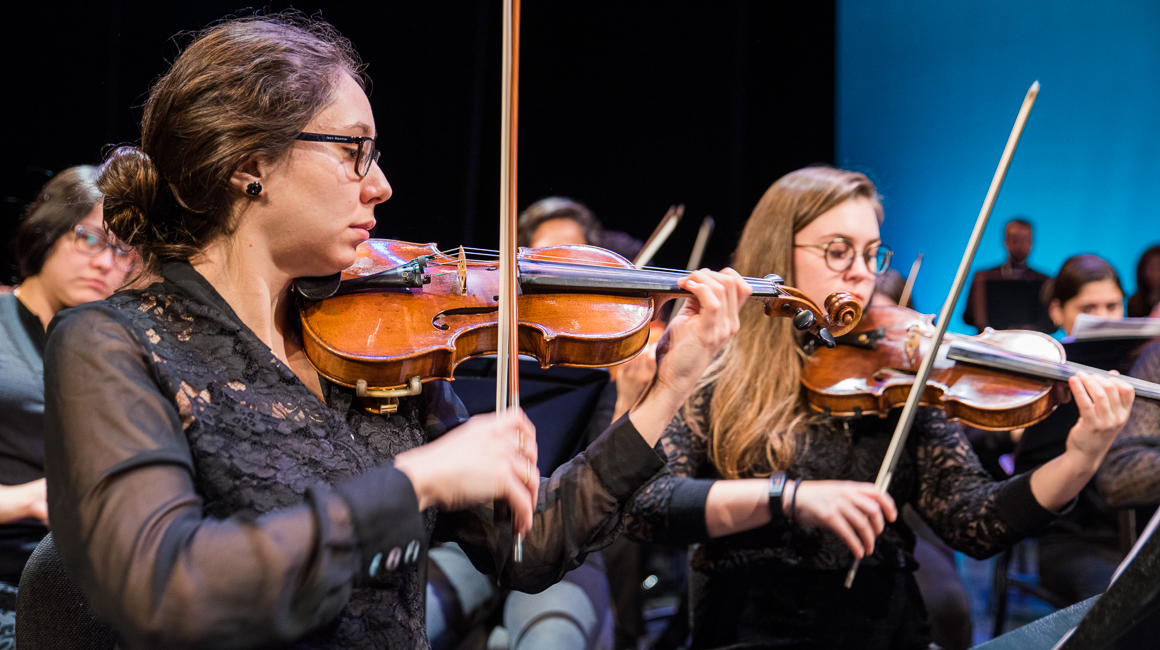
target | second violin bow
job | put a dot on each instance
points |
(665, 228)
(909, 287)
(902, 431)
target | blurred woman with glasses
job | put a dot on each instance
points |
(781, 500)
(66, 258)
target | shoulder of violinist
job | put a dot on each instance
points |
(1130, 474)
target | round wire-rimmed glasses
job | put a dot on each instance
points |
(93, 243)
(839, 255)
(368, 151)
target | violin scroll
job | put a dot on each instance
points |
(841, 314)
(842, 307)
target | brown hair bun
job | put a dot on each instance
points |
(131, 185)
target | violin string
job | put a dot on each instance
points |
(472, 254)
(758, 284)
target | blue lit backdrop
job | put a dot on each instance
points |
(926, 96)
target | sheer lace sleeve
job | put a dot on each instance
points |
(581, 509)
(966, 507)
(671, 509)
(1130, 473)
(132, 529)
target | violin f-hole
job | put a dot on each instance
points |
(459, 311)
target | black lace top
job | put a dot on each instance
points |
(938, 474)
(202, 496)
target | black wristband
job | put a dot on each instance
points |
(776, 489)
(797, 483)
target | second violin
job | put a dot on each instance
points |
(998, 380)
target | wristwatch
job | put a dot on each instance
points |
(777, 483)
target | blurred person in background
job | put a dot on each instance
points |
(66, 258)
(1146, 301)
(1079, 551)
(1017, 238)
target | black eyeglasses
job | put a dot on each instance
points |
(368, 151)
(94, 243)
(839, 255)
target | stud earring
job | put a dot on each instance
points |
(254, 189)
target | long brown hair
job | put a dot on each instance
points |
(755, 410)
(244, 87)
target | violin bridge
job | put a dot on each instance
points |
(910, 346)
(461, 271)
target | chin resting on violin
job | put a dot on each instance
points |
(772, 569)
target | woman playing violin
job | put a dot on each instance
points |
(206, 487)
(1079, 552)
(780, 499)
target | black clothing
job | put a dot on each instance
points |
(21, 426)
(975, 313)
(1079, 552)
(943, 593)
(21, 394)
(201, 495)
(32, 326)
(937, 474)
(809, 609)
(1091, 519)
(1074, 567)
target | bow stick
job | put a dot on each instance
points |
(665, 228)
(507, 385)
(902, 431)
(906, 290)
(699, 246)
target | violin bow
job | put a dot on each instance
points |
(701, 243)
(665, 228)
(507, 385)
(703, 234)
(906, 420)
(906, 290)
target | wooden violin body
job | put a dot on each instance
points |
(387, 336)
(872, 369)
(578, 306)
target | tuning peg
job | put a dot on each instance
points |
(804, 320)
(826, 337)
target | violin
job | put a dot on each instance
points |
(997, 380)
(406, 313)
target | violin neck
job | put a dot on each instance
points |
(548, 276)
(981, 354)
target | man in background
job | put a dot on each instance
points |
(1017, 239)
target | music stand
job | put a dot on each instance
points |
(1015, 304)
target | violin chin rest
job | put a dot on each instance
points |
(318, 288)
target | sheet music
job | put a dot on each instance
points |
(1089, 327)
